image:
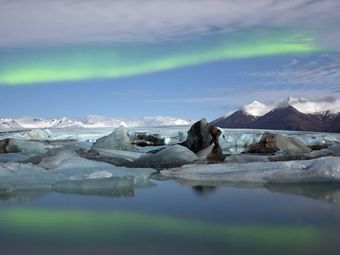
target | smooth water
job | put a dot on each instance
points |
(171, 218)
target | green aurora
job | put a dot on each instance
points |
(41, 65)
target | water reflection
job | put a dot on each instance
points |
(38, 228)
(204, 190)
(327, 192)
(107, 187)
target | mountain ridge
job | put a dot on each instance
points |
(284, 116)
(89, 121)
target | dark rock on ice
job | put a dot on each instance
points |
(201, 135)
(3, 145)
(143, 139)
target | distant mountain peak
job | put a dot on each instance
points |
(292, 101)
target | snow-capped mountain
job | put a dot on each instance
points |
(290, 114)
(90, 121)
(9, 124)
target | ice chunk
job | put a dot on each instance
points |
(34, 134)
(245, 158)
(335, 148)
(326, 169)
(126, 155)
(55, 158)
(270, 143)
(171, 156)
(204, 154)
(117, 140)
(100, 175)
(29, 176)
(115, 157)
(12, 157)
(235, 141)
(318, 139)
(28, 147)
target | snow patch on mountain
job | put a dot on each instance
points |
(256, 108)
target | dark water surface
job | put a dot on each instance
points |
(170, 218)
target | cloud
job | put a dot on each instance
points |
(228, 98)
(322, 72)
(35, 22)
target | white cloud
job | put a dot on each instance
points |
(322, 72)
(78, 21)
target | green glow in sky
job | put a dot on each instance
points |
(92, 62)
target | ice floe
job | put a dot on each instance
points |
(326, 169)
(28, 176)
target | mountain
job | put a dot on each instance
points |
(238, 119)
(283, 116)
(90, 121)
(331, 121)
(9, 124)
(288, 118)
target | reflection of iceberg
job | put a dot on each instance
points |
(106, 187)
(320, 191)
(19, 196)
(328, 192)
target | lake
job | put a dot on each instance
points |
(173, 218)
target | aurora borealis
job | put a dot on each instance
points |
(88, 62)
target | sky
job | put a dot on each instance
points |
(182, 58)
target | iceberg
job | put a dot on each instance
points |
(167, 157)
(236, 141)
(326, 169)
(118, 140)
(28, 147)
(12, 157)
(29, 176)
(34, 134)
(270, 143)
(32, 147)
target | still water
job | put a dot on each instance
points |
(172, 218)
